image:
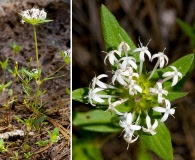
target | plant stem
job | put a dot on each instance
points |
(38, 66)
(36, 49)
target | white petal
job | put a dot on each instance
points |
(97, 99)
(155, 124)
(135, 127)
(148, 121)
(164, 118)
(101, 84)
(167, 74)
(97, 90)
(172, 111)
(138, 88)
(173, 67)
(102, 76)
(175, 80)
(159, 109)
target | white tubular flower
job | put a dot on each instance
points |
(174, 74)
(150, 128)
(160, 62)
(114, 104)
(96, 81)
(129, 129)
(167, 111)
(159, 91)
(128, 61)
(111, 56)
(129, 139)
(119, 77)
(124, 47)
(127, 124)
(143, 50)
(133, 88)
(129, 72)
(92, 95)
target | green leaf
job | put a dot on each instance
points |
(186, 28)
(86, 149)
(160, 143)
(183, 65)
(175, 95)
(112, 32)
(79, 95)
(96, 120)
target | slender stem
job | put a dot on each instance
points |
(56, 71)
(155, 67)
(38, 66)
(36, 48)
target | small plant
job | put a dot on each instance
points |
(30, 80)
(139, 100)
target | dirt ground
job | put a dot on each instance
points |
(148, 19)
(53, 37)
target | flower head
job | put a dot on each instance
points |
(139, 94)
(34, 16)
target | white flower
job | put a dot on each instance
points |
(119, 77)
(123, 47)
(161, 59)
(129, 72)
(111, 56)
(129, 139)
(96, 81)
(143, 50)
(168, 110)
(174, 74)
(129, 129)
(128, 61)
(133, 88)
(127, 123)
(92, 95)
(160, 62)
(114, 104)
(159, 91)
(150, 128)
(33, 16)
(35, 71)
(67, 53)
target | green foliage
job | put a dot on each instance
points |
(54, 135)
(4, 64)
(16, 48)
(86, 148)
(188, 30)
(96, 120)
(160, 143)
(2, 146)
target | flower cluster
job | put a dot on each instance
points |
(133, 93)
(33, 16)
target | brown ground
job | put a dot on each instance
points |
(52, 38)
(148, 19)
